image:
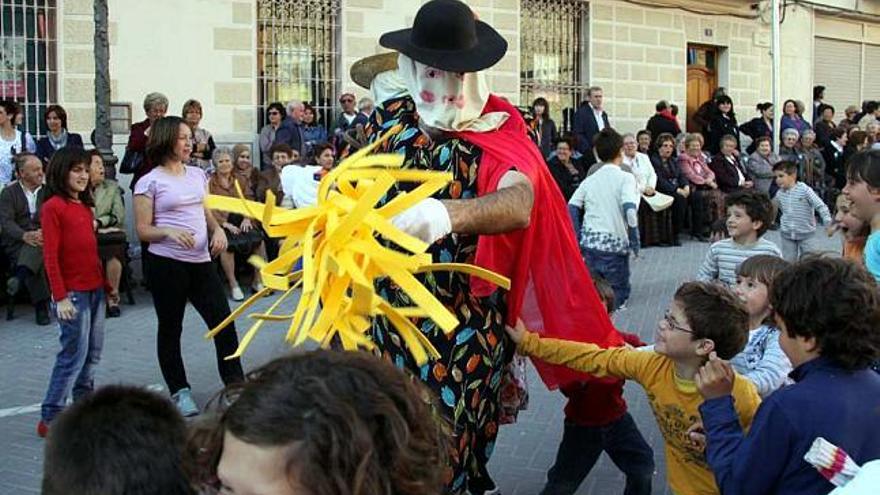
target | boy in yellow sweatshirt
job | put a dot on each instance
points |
(703, 319)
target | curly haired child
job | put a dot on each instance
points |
(323, 423)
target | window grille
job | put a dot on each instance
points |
(553, 55)
(297, 53)
(28, 58)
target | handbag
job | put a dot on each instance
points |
(111, 238)
(131, 162)
(659, 201)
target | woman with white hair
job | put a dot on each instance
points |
(244, 235)
(789, 150)
(135, 160)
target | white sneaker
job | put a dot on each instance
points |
(185, 403)
(237, 294)
(257, 287)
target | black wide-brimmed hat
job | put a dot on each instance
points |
(446, 35)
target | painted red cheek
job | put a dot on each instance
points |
(427, 96)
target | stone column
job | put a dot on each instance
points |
(103, 131)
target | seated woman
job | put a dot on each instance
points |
(202, 142)
(672, 182)
(566, 170)
(760, 164)
(110, 220)
(644, 139)
(244, 169)
(243, 234)
(729, 172)
(652, 224)
(707, 201)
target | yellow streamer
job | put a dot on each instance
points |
(342, 258)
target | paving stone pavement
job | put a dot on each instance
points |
(523, 452)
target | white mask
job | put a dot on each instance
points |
(449, 101)
(387, 85)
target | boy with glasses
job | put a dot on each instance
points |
(704, 318)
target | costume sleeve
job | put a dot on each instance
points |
(619, 362)
(709, 269)
(746, 464)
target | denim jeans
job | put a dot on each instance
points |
(613, 267)
(82, 339)
(580, 449)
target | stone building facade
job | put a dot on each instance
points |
(638, 51)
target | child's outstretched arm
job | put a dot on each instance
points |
(588, 358)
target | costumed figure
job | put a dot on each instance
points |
(502, 211)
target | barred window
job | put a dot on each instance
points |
(553, 55)
(297, 53)
(28, 58)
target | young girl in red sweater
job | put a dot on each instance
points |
(70, 252)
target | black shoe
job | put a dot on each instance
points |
(42, 311)
(113, 312)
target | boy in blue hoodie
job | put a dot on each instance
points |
(828, 313)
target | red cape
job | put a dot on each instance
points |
(551, 289)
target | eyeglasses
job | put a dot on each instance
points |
(667, 317)
(274, 112)
(346, 100)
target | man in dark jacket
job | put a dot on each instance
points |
(663, 121)
(290, 132)
(588, 121)
(22, 238)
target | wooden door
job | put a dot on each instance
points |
(702, 80)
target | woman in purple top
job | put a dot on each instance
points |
(171, 216)
(792, 118)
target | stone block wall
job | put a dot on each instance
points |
(639, 56)
(202, 49)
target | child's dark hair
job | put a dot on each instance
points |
(757, 205)
(355, 425)
(715, 312)
(789, 167)
(606, 292)
(63, 161)
(864, 166)
(763, 107)
(607, 144)
(281, 148)
(835, 302)
(120, 439)
(163, 138)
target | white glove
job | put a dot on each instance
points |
(427, 220)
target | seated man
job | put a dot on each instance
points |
(22, 238)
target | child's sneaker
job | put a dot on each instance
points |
(185, 403)
(42, 429)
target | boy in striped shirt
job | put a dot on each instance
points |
(749, 214)
(799, 205)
